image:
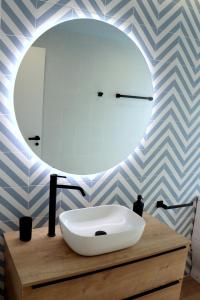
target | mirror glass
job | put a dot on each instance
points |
(65, 96)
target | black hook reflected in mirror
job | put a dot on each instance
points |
(100, 94)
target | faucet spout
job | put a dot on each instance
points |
(52, 201)
(72, 187)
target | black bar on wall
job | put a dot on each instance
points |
(133, 97)
(160, 204)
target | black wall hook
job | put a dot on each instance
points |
(160, 204)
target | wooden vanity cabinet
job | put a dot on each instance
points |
(46, 268)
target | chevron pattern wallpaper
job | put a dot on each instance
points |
(164, 166)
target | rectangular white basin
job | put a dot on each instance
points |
(101, 229)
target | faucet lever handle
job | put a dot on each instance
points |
(58, 176)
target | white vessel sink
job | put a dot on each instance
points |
(118, 228)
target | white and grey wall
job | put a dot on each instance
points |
(165, 164)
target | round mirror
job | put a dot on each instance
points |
(82, 96)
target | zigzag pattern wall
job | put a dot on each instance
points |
(165, 164)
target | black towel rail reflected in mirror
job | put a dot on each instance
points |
(133, 97)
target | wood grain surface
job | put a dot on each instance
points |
(45, 259)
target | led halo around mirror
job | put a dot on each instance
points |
(56, 96)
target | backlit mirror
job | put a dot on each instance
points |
(65, 96)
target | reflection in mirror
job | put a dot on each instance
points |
(65, 93)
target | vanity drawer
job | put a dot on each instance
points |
(118, 282)
(173, 293)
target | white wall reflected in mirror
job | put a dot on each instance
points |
(56, 96)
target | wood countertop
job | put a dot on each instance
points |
(46, 259)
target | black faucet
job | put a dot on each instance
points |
(52, 200)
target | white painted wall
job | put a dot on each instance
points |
(29, 88)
